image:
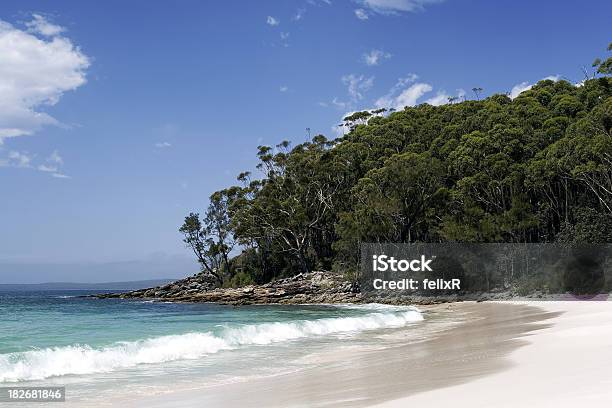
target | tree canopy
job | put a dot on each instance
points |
(537, 168)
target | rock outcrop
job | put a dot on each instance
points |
(313, 287)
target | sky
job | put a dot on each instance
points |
(118, 118)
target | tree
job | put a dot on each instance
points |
(211, 239)
(196, 237)
(604, 67)
(537, 168)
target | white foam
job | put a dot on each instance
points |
(83, 359)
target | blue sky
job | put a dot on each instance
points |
(118, 118)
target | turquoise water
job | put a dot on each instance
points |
(102, 345)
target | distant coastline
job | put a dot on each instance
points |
(113, 286)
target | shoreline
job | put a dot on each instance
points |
(566, 364)
(477, 348)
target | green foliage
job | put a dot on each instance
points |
(211, 238)
(240, 279)
(534, 169)
(590, 226)
(604, 67)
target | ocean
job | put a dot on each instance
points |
(101, 348)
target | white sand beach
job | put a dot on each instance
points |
(564, 365)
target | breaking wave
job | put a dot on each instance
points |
(83, 359)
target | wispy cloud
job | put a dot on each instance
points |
(19, 159)
(525, 86)
(163, 145)
(284, 36)
(299, 14)
(40, 25)
(283, 88)
(408, 92)
(361, 14)
(52, 164)
(47, 169)
(38, 65)
(374, 57)
(55, 158)
(406, 97)
(357, 86)
(272, 21)
(339, 104)
(405, 92)
(442, 98)
(395, 6)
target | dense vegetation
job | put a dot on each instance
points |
(537, 168)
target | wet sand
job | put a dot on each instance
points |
(478, 348)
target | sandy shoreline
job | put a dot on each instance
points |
(505, 354)
(564, 365)
(461, 354)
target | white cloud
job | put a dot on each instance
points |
(284, 38)
(396, 6)
(403, 82)
(410, 95)
(299, 14)
(525, 86)
(374, 57)
(404, 93)
(357, 85)
(519, 88)
(283, 88)
(55, 158)
(52, 164)
(272, 21)
(361, 14)
(408, 92)
(339, 129)
(19, 159)
(38, 66)
(162, 145)
(47, 169)
(441, 98)
(40, 25)
(339, 104)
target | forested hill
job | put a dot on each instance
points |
(537, 168)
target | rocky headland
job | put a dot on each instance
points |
(313, 287)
